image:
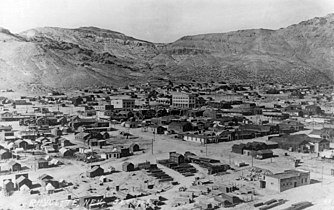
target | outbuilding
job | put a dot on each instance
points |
(127, 166)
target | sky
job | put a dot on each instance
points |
(160, 20)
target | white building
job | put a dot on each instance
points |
(123, 104)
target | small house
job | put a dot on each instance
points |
(49, 188)
(95, 170)
(23, 180)
(263, 154)
(8, 186)
(42, 163)
(180, 127)
(5, 154)
(157, 129)
(14, 166)
(134, 148)
(127, 166)
(176, 157)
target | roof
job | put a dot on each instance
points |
(2, 151)
(292, 139)
(316, 132)
(126, 163)
(182, 123)
(63, 150)
(12, 162)
(45, 176)
(82, 134)
(24, 187)
(7, 181)
(94, 169)
(49, 186)
(20, 179)
(265, 151)
(288, 174)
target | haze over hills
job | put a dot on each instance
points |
(44, 58)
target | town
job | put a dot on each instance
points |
(167, 145)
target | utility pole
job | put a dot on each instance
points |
(206, 147)
(152, 146)
(252, 157)
(322, 175)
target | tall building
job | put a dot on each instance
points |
(183, 100)
(123, 104)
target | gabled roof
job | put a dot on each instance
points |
(2, 151)
(94, 169)
(12, 162)
(45, 176)
(264, 151)
(20, 179)
(292, 139)
(316, 132)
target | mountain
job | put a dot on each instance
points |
(45, 58)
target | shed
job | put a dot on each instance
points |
(42, 163)
(22, 180)
(263, 154)
(176, 157)
(14, 166)
(50, 188)
(5, 154)
(65, 152)
(45, 177)
(8, 185)
(127, 166)
(134, 147)
(95, 170)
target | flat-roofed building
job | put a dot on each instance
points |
(286, 180)
(123, 104)
(183, 100)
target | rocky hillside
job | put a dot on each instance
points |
(301, 53)
(44, 58)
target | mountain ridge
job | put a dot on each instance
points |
(54, 57)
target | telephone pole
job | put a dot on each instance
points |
(152, 146)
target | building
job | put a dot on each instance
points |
(8, 186)
(293, 143)
(14, 166)
(183, 100)
(179, 127)
(127, 166)
(5, 154)
(123, 104)
(22, 179)
(63, 152)
(176, 158)
(41, 163)
(301, 143)
(95, 170)
(202, 139)
(263, 154)
(286, 180)
(157, 129)
(134, 148)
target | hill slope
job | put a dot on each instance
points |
(44, 58)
